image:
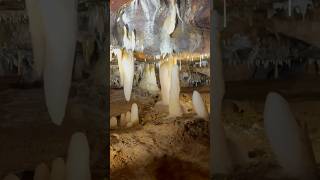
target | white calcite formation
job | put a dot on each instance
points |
(199, 106)
(174, 93)
(123, 120)
(134, 114)
(11, 177)
(128, 116)
(168, 27)
(58, 169)
(286, 139)
(78, 161)
(113, 122)
(53, 26)
(128, 73)
(165, 80)
(41, 172)
(128, 39)
(149, 80)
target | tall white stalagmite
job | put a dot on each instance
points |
(36, 27)
(42, 172)
(60, 25)
(128, 73)
(78, 161)
(220, 157)
(149, 80)
(165, 80)
(287, 139)
(58, 169)
(199, 106)
(134, 114)
(174, 93)
(11, 177)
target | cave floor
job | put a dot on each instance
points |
(28, 136)
(159, 148)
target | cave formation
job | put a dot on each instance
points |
(52, 72)
(263, 75)
(169, 46)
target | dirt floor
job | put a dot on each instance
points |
(162, 148)
(28, 137)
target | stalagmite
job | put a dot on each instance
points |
(134, 114)
(113, 122)
(128, 116)
(174, 93)
(60, 26)
(123, 120)
(58, 169)
(220, 158)
(287, 139)
(199, 106)
(78, 161)
(165, 79)
(42, 172)
(11, 177)
(36, 27)
(128, 73)
(149, 80)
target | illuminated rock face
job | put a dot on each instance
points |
(11, 177)
(58, 169)
(53, 26)
(41, 172)
(286, 139)
(128, 73)
(199, 106)
(174, 93)
(78, 161)
(149, 81)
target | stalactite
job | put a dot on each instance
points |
(149, 80)
(128, 73)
